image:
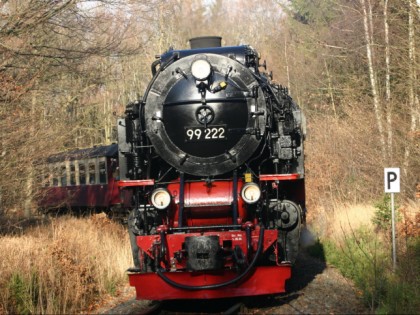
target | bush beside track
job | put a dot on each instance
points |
(62, 266)
(361, 250)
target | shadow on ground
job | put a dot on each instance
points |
(310, 263)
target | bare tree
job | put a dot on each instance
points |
(367, 23)
(412, 82)
(388, 84)
(50, 57)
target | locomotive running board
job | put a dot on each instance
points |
(136, 183)
(262, 280)
(273, 177)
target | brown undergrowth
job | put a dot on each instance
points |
(63, 266)
(357, 240)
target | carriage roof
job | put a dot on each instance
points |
(78, 154)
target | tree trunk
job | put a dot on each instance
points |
(330, 89)
(287, 65)
(388, 86)
(29, 159)
(367, 19)
(412, 84)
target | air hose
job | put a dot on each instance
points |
(218, 285)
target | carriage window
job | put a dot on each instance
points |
(42, 176)
(55, 175)
(82, 174)
(91, 172)
(102, 172)
(72, 175)
(63, 175)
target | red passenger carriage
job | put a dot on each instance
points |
(82, 179)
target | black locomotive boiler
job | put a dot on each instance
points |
(213, 154)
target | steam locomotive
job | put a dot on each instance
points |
(213, 155)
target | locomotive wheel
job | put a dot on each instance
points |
(141, 261)
(289, 242)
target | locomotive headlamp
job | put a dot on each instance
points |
(160, 198)
(201, 69)
(251, 193)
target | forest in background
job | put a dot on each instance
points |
(69, 67)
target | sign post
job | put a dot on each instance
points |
(392, 185)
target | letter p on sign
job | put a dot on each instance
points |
(392, 180)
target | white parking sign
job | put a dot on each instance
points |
(392, 180)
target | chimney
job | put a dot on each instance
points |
(205, 42)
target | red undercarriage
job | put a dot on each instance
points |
(260, 280)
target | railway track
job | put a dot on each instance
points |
(227, 307)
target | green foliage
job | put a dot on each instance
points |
(111, 286)
(313, 12)
(404, 286)
(360, 258)
(365, 258)
(399, 298)
(383, 213)
(24, 292)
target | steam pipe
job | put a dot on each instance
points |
(181, 198)
(235, 197)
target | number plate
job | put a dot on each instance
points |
(205, 134)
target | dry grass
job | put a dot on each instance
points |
(63, 266)
(341, 221)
